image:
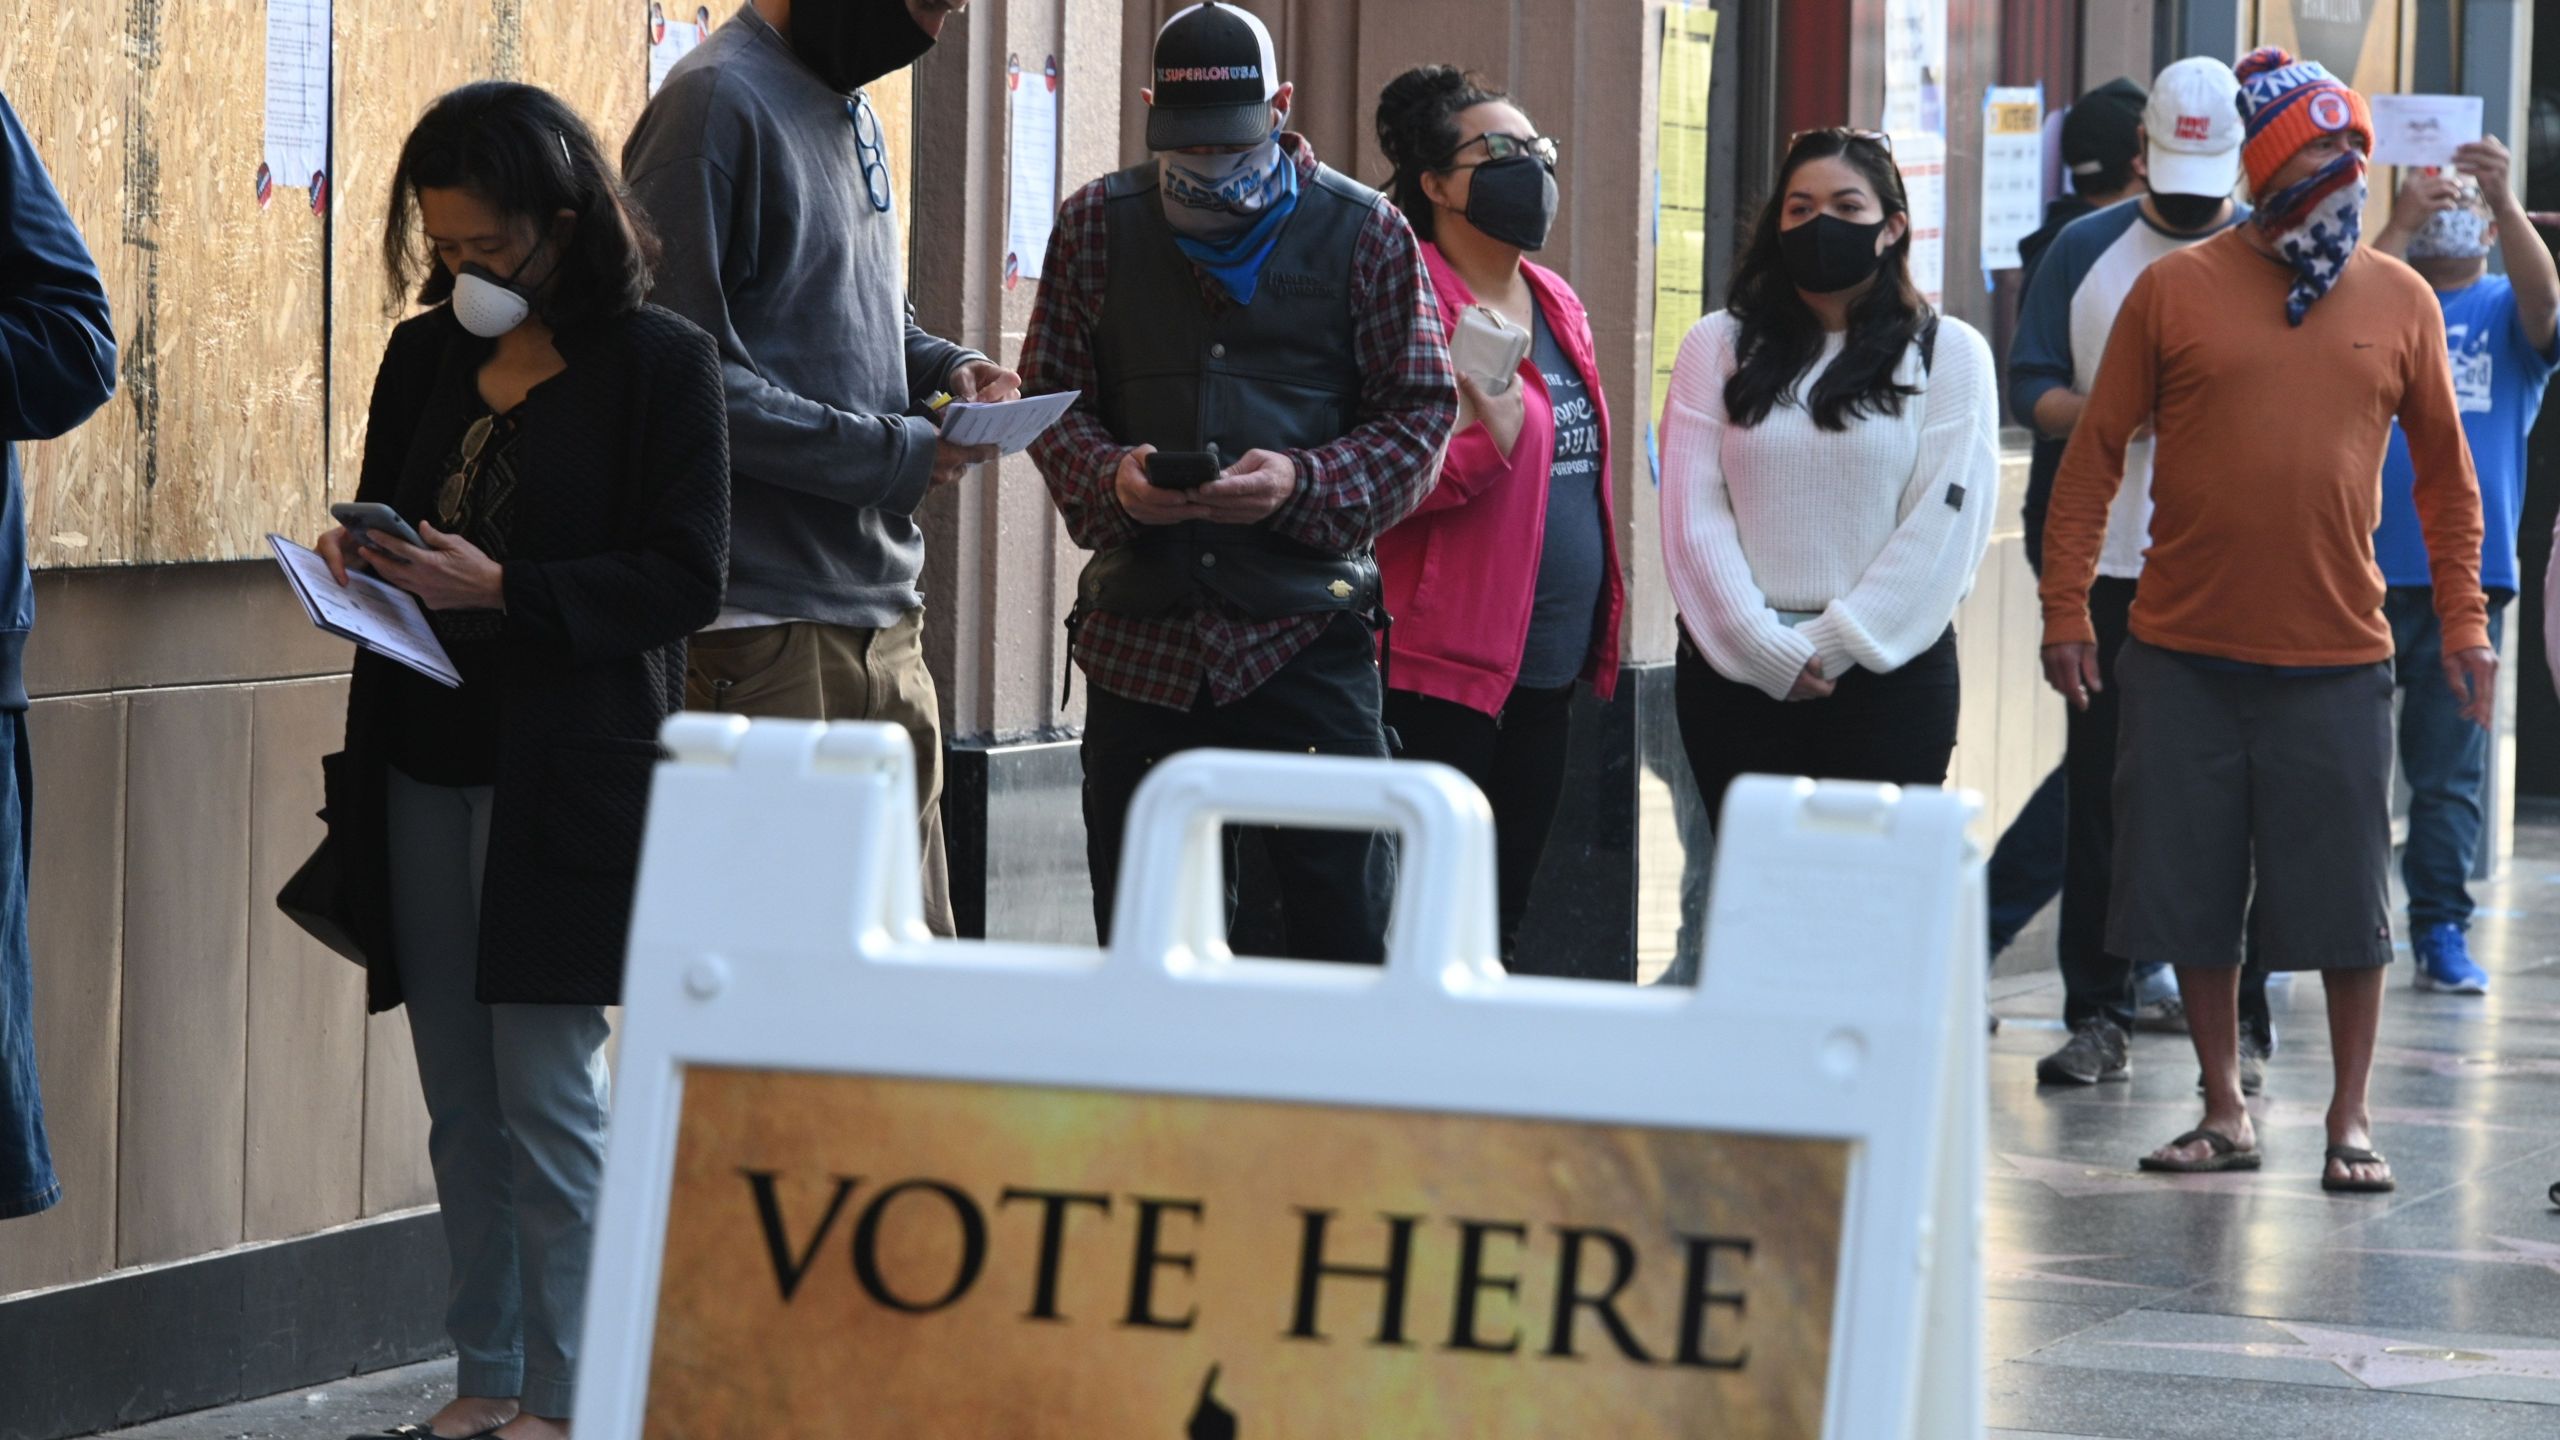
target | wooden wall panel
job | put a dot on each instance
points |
(225, 361)
(394, 56)
(66, 75)
(305, 1120)
(593, 54)
(186, 981)
(396, 1175)
(76, 924)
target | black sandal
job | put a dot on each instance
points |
(2350, 1155)
(2227, 1155)
(2555, 1194)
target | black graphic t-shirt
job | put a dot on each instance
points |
(1571, 564)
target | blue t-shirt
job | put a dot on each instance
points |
(2498, 378)
(1575, 557)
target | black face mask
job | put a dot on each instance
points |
(850, 43)
(1513, 201)
(1827, 254)
(2187, 212)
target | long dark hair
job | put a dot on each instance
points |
(1418, 129)
(528, 156)
(1780, 335)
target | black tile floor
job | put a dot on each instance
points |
(2141, 1307)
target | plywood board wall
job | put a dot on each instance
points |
(250, 335)
(66, 72)
(149, 115)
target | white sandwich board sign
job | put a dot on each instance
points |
(862, 1182)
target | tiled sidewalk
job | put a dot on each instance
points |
(2141, 1307)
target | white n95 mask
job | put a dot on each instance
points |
(486, 305)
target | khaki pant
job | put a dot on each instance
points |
(807, 671)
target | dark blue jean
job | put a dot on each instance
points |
(26, 1164)
(2446, 760)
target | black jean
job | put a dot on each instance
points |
(1516, 758)
(2027, 865)
(1897, 728)
(2094, 982)
(1335, 887)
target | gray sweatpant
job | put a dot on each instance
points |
(516, 1113)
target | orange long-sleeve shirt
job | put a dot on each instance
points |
(2266, 481)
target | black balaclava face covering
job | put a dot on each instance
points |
(1827, 254)
(850, 43)
(2187, 212)
(1513, 201)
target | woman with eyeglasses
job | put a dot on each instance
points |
(1829, 457)
(1505, 584)
(560, 451)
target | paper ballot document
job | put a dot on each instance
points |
(384, 620)
(2423, 129)
(1009, 425)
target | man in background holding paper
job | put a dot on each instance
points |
(764, 169)
(2504, 333)
(57, 366)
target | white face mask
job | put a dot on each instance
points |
(486, 305)
(2451, 235)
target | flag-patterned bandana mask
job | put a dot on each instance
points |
(2315, 224)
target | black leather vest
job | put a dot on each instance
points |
(1280, 374)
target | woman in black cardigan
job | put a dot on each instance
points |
(561, 449)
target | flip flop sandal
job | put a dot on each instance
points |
(2348, 1154)
(2227, 1155)
(423, 1432)
(2555, 1193)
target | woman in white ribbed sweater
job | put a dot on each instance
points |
(1829, 469)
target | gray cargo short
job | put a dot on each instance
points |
(2225, 777)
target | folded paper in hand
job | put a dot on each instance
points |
(387, 621)
(2423, 129)
(1009, 425)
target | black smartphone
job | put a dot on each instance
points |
(1182, 469)
(369, 515)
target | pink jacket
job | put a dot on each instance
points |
(1462, 571)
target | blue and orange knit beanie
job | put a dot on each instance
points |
(2289, 103)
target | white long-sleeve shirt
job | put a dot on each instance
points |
(1874, 531)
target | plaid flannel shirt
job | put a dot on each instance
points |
(1349, 492)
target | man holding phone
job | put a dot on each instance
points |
(1266, 388)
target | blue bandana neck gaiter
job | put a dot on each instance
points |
(2315, 224)
(1226, 211)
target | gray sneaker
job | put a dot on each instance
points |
(2094, 1053)
(2164, 1016)
(2253, 1070)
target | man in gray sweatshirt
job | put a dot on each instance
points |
(761, 163)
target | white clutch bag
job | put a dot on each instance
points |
(1488, 349)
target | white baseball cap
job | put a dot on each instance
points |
(2194, 130)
